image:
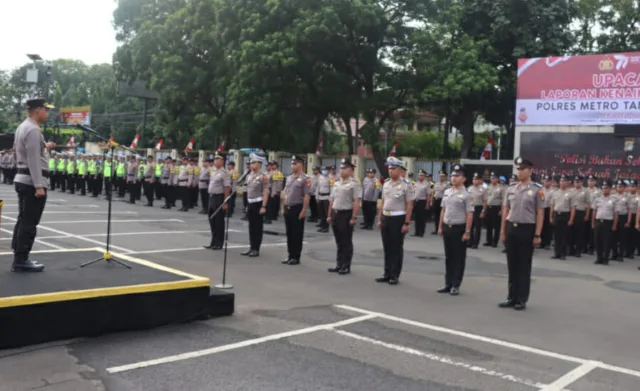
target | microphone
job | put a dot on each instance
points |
(243, 177)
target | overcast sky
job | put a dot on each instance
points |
(76, 29)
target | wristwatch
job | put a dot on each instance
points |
(407, 224)
(536, 236)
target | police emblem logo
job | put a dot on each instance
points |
(530, 192)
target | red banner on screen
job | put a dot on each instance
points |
(601, 89)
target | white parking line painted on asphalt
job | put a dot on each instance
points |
(443, 360)
(230, 246)
(237, 345)
(491, 341)
(114, 221)
(81, 212)
(571, 376)
(56, 206)
(155, 233)
(37, 240)
(40, 238)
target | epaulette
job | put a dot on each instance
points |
(513, 184)
(538, 185)
(406, 181)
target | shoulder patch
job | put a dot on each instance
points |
(541, 195)
(235, 175)
(308, 182)
(265, 179)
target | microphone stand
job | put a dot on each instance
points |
(224, 284)
(107, 256)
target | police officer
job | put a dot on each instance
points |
(547, 228)
(184, 182)
(323, 193)
(422, 191)
(370, 192)
(71, 174)
(313, 204)
(581, 202)
(219, 189)
(343, 211)
(62, 171)
(31, 182)
(175, 182)
(158, 185)
(194, 192)
(438, 193)
(257, 190)
(394, 219)
(456, 221)
(81, 166)
(277, 184)
(167, 183)
(561, 214)
(495, 197)
(603, 221)
(619, 246)
(121, 176)
(231, 168)
(203, 185)
(107, 172)
(294, 208)
(522, 218)
(479, 194)
(149, 180)
(633, 236)
(594, 193)
(52, 169)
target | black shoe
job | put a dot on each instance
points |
(556, 257)
(382, 279)
(323, 230)
(434, 233)
(486, 244)
(506, 304)
(454, 291)
(519, 306)
(218, 247)
(149, 205)
(254, 254)
(333, 269)
(577, 255)
(620, 259)
(266, 221)
(368, 228)
(245, 218)
(344, 271)
(247, 252)
(591, 252)
(393, 281)
(286, 261)
(26, 266)
(598, 262)
(166, 207)
(504, 251)
(209, 247)
(475, 247)
(202, 212)
(445, 289)
(293, 262)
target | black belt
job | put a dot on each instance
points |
(516, 225)
(25, 171)
(324, 194)
(562, 213)
(182, 180)
(203, 181)
(493, 206)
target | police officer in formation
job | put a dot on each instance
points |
(342, 216)
(233, 173)
(323, 193)
(31, 183)
(622, 222)
(581, 204)
(456, 221)
(594, 193)
(394, 219)
(313, 204)
(492, 213)
(562, 213)
(438, 193)
(370, 193)
(633, 236)
(420, 209)
(257, 188)
(522, 219)
(219, 190)
(547, 228)
(479, 194)
(276, 178)
(603, 222)
(149, 180)
(203, 185)
(295, 202)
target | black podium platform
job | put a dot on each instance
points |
(66, 301)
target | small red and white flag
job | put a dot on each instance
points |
(134, 143)
(486, 153)
(111, 139)
(221, 147)
(72, 141)
(320, 144)
(393, 149)
(189, 146)
(159, 145)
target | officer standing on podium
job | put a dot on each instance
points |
(522, 218)
(31, 182)
(257, 189)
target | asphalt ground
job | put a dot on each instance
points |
(301, 328)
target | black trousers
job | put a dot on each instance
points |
(603, 239)
(294, 227)
(455, 254)
(71, 183)
(193, 197)
(139, 185)
(232, 203)
(632, 238)
(420, 217)
(313, 206)
(577, 233)
(519, 245)
(392, 245)
(148, 192)
(108, 187)
(30, 210)
(204, 198)
(323, 213)
(131, 188)
(158, 187)
(52, 180)
(256, 225)
(343, 234)
(184, 196)
(589, 236)
(169, 193)
(62, 180)
(493, 223)
(547, 229)
(436, 209)
(561, 222)
(620, 241)
(80, 184)
(273, 207)
(120, 184)
(217, 222)
(476, 228)
(369, 213)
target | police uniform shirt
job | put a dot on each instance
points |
(523, 202)
(495, 194)
(203, 178)
(233, 175)
(370, 188)
(395, 195)
(605, 207)
(324, 187)
(296, 188)
(344, 193)
(439, 188)
(166, 174)
(595, 193)
(621, 204)
(581, 199)
(256, 183)
(132, 171)
(479, 195)
(548, 195)
(149, 173)
(175, 176)
(31, 153)
(218, 180)
(561, 200)
(633, 203)
(184, 176)
(314, 184)
(422, 190)
(457, 203)
(276, 182)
